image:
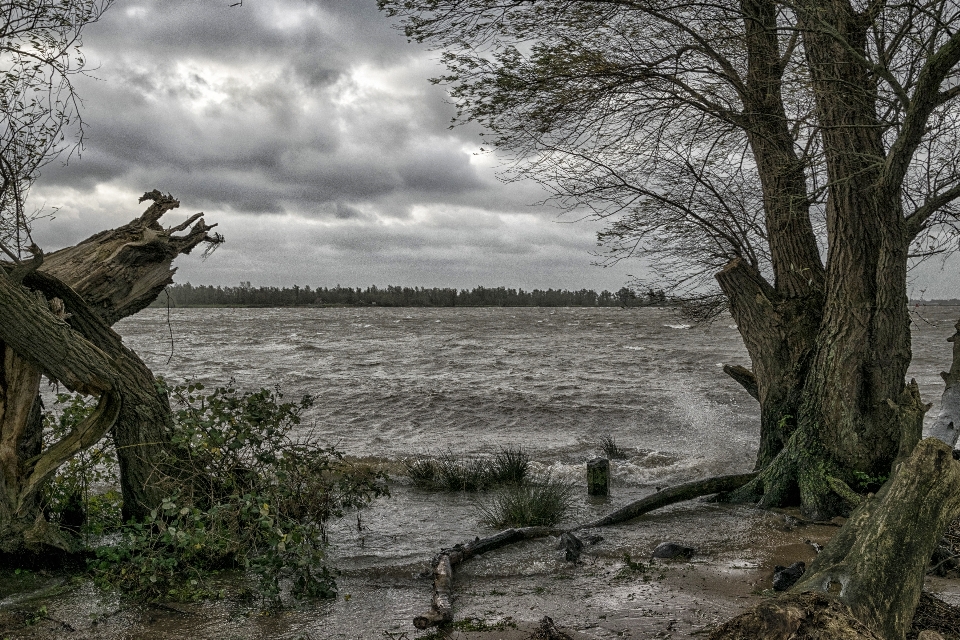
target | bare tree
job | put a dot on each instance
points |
(39, 110)
(800, 152)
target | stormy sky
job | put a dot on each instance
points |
(308, 130)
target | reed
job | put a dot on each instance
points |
(611, 450)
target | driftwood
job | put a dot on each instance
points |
(671, 495)
(442, 580)
(441, 611)
(947, 426)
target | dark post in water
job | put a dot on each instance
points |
(598, 477)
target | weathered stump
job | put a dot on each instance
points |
(866, 582)
(598, 477)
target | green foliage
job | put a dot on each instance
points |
(81, 498)
(243, 493)
(540, 502)
(864, 482)
(451, 472)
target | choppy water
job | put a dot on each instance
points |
(394, 383)
(398, 382)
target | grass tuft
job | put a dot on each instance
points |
(452, 472)
(611, 450)
(541, 502)
(510, 466)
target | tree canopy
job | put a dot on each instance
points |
(697, 129)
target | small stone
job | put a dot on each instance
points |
(572, 544)
(547, 630)
(786, 577)
(672, 551)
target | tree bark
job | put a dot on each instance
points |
(947, 425)
(36, 340)
(779, 334)
(866, 582)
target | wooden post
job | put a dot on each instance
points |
(598, 477)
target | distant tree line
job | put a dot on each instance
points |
(245, 295)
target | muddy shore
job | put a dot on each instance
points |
(500, 596)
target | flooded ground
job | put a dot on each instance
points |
(397, 383)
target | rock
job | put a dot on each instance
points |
(672, 551)
(929, 634)
(786, 577)
(572, 544)
(547, 630)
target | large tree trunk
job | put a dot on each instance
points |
(35, 339)
(116, 273)
(778, 322)
(835, 382)
(866, 582)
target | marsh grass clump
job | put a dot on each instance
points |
(543, 502)
(423, 472)
(611, 450)
(510, 466)
(457, 473)
(452, 472)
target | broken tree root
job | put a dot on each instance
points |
(441, 612)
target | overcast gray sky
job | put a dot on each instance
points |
(309, 131)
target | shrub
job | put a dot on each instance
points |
(81, 499)
(540, 502)
(244, 493)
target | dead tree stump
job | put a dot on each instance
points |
(598, 477)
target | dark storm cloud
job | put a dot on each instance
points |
(309, 131)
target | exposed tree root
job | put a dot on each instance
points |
(802, 472)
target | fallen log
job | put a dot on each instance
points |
(671, 495)
(441, 610)
(461, 552)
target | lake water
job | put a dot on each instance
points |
(397, 383)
